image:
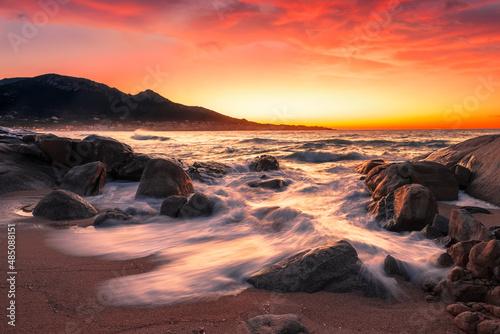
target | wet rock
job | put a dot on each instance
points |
(384, 179)
(414, 207)
(393, 267)
(467, 321)
(163, 178)
(483, 258)
(208, 172)
(198, 206)
(445, 242)
(442, 224)
(431, 233)
(444, 260)
(335, 267)
(276, 324)
(112, 217)
(134, 167)
(140, 209)
(481, 156)
(463, 226)
(172, 205)
(274, 184)
(366, 167)
(107, 150)
(456, 309)
(85, 180)
(264, 163)
(64, 205)
(462, 174)
(459, 252)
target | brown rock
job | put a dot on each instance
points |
(264, 163)
(493, 296)
(456, 273)
(462, 174)
(463, 292)
(85, 180)
(463, 226)
(276, 324)
(488, 327)
(467, 321)
(456, 309)
(366, 167)
(437, 178)
(483, 258)
(58, 149)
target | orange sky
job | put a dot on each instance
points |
(344, 64)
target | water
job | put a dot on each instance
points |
(252, 228)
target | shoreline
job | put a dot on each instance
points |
(60, 293)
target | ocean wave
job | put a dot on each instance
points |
(320, 157)
(320, 144)
(258, 141)
(140, 136)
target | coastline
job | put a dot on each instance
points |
(58, 293)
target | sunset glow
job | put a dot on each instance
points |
(361, 64)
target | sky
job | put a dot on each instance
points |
(360, 64)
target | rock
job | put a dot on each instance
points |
(414, 207)
(431, 233)
(475, 209)
(33, 152)
(132, 170)
(495, 310)
(107, 150)
(208, 172)
(483, 258)
(456, 309)
(334, 267)
(445, 242)
(460, 252)
(276, 324)
(444, 261)
(264, 163)
(467, 321)
(463, 291)
(111, 217)
(463, 226)
(64, 205)
(493, 296)
(172, 205)
(394, 267)
(85, 180)
(163, 178)
(462, 174)
(456, 273)
(198, 206)
(384, 179)
(481, 156)
(383, 209)
(442, 224)
(366, 167)
(274, 184)
(488, 327)
(57, 149)
(140, 209)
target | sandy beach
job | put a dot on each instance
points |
(57, 293)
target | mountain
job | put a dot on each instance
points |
(57, 100)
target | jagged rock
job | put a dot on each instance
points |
(276, 324)
(198, 206)
(414, 207)
(335, 267)
(468, 321)
(163, 178)
(64, 205)
(172, 205)
(264, 163)
(463, 226)
(459, 252)
(481, 156)
(85, 180)
(366, 167)
(274, 184)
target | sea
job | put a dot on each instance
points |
(252, 228)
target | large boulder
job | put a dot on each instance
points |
(481, 156)
(276, 324)
(132, 170)
(64, 205)
(463, 226)
(386, 178)
(198, 206)
(163, 178)
(367, 166)
(264, 163)
(483, 258)
(459, 252)
(107, 150)
(414, 207)
(172, 205)
(85, 180)
(335, 267)
(57, 149)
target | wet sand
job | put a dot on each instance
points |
(57, 293)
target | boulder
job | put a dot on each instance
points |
(132, 170)
(366, 167)
(64, 205)
(163, 178)
(489, 327)
(462, 174)
(442, 224)
(107, 150)
(394, 267)
(274, 184)
(264, 163)
(468, 321)
(481, 156)
(57, 149)
(463, 291)
(334, 267)
(85, 180)
(432, 233)
(414, 207)
(276, 324)
(483, 258)
(459, 252)
(198, 206)
(111, 217)
(172, 205)
(463, 226)
(456, 273)
(385, 179)
(208, 172)
(456, 309)
(493, 296)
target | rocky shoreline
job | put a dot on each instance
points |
(405, 198)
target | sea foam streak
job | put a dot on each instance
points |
(252, 228)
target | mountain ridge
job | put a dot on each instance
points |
(55, 100)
